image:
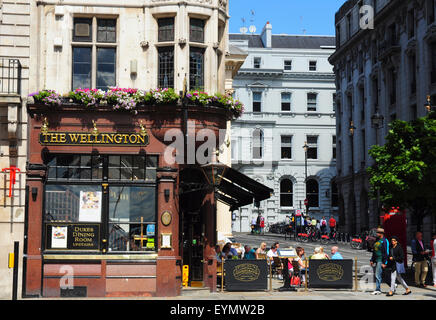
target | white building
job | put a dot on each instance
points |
(387, 69)
(287, 87)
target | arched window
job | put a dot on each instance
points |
(334, 194)
(286, 193)
(257, 144)
(312, 193)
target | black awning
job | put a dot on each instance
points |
(238, 190)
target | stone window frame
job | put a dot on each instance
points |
(94, 44)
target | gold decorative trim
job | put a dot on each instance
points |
(100, 257)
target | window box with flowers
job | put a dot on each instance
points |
(134, 99)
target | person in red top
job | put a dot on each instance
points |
(332, 225)
(433, 258)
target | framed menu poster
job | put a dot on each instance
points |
(90, 206)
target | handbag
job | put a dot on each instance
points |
(400, 267)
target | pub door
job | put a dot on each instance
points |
(193, 245)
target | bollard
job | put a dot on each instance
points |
(305, 271)
(270, 276)
(355, 274)
(15, 272)
(222, 275)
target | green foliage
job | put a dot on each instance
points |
(404, 171)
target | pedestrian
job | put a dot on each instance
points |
(249, 254)
(261, 250)
(253, 225)
(335, 253)
(301, 262)
(433, 258)
(396, 264)
(262, 224)
(323, 225)
(258, 223)
(332, 225)
(420, 255)
(379, 259)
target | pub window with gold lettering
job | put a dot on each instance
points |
(100, 202)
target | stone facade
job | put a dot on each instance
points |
(387, 69)
(14, 84)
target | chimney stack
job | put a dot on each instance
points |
(266, 35)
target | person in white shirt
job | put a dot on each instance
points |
(271, 254)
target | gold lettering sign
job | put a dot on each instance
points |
(246, 272)
(88, 139)
(330, 272)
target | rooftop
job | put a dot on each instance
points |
(288, 41)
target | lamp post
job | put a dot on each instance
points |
(352, 129)
(306, 202)
(377, 122)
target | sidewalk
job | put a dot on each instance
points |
(428, 293)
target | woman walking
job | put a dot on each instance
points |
(396, 263)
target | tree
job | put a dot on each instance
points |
(404, 171)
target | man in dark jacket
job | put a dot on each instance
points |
(379, 259)
(420, 258)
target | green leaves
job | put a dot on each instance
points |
(405, 167)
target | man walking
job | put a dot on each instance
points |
(379, 259)
(420, 259)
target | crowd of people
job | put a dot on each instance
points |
(388, 256)
(263, 252)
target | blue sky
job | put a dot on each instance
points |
(286, 16)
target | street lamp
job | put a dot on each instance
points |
(306, 148)
(377, 122)
(352, 129)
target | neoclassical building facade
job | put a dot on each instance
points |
(385, 69)
(287, 86)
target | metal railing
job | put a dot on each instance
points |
(10, 76)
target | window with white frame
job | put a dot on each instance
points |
(312, 101)
(256, 62)
(257, 144)
(286, 147)
(312, 65)
(286, 101)
(287, 65)
(286, 193)
(94, 50)
(257, 101)
(312, 151)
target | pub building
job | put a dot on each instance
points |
(108, 213)
(108, 216)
